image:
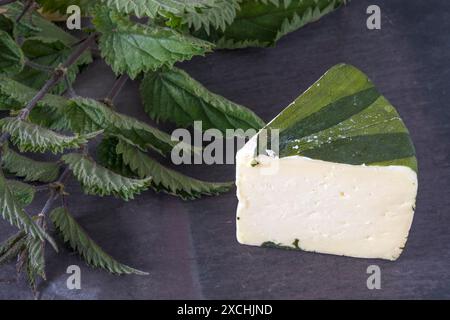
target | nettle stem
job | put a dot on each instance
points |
(58, 74)
(48, 204)
(59, 183)
(54, 192)
(28, 5)
(116, 88)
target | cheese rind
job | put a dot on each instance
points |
(314, 205)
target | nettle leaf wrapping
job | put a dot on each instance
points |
(87, 115)
(28, 169)
(165, 179)
(49, 52)
(29, 137)
(22, 192)
(98, 180)
(173, 95)
(151, 8)
(47, 113)
(12, 211)
(343, 118)
(131, 48)
(12, 59)
(218, 15)
(79, 241)
(261, 23)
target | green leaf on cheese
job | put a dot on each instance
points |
(343, 118)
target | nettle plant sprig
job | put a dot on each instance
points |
(140, 40)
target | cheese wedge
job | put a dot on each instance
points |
(344, 182)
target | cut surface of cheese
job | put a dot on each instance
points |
(315, 205)
(344, 186)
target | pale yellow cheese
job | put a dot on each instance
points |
(352, 210)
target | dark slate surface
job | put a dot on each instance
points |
(190, 249)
